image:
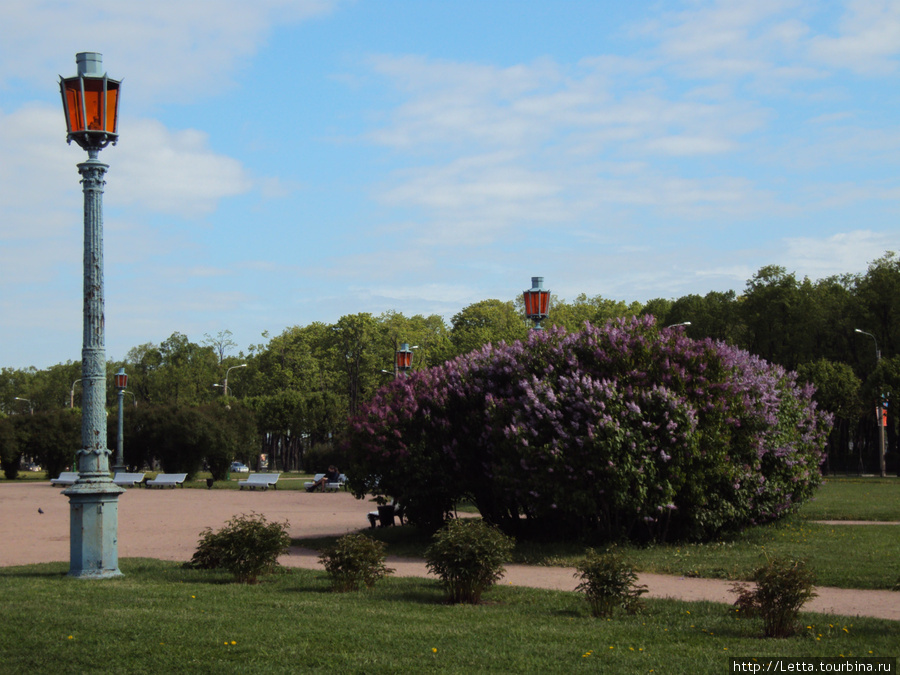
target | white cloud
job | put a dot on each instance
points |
(166, 48)
(868, 41)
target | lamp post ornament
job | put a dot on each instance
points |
(404, 359)
(90, 102)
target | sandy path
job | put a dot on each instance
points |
(166, 524)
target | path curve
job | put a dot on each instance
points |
(166, 524)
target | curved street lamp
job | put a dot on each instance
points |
(91, 104)
(879, 411)
(28, 401)
(225, 387)
(121, 382)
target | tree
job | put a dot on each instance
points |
(597, 311)
(221, 344)
(486, 322)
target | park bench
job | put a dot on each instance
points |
(167, 480)
(65, 478)
(124, 479)
(331, 485)
(263, 481)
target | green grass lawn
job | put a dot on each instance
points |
(161, 618)
(855, 499)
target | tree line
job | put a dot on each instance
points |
(300, 387)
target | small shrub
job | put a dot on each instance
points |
(608, 582)
(354, 560)
(783, 586)
(247, 546)
(468, 555)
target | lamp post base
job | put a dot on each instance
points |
(93, 530)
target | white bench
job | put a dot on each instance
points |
(65, 478)
(260, 480)
(124, 479)
(167, 480)
(331, 485)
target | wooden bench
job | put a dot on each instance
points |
(263, 481)
(124, 479)
(331, 485)
(65, 478)
(167, 480)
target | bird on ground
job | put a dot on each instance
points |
(40, 510)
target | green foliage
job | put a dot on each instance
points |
(608, 582)
(468, 556)
(488, 321)
(52, 438)
(247, 546)
(354, 561)
(783, 585)
(10, 455)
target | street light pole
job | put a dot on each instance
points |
(72, 393)
(90, 102)
(243, 365)
(879, 412)
(121, 383)
(29, 402)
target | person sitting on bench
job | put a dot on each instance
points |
(331, 476)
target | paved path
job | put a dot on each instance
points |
(166, 524)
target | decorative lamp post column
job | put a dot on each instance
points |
(90, 101)
(404, 359)
(879, 411)
(537, 302)
(121, 384)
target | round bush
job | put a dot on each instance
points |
(247, 546)
(624, 431)
(468, 555)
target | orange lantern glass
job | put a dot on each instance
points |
(404, 357)
(121, 379)
(91, 104)
(537, 301)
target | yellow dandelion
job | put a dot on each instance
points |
(845, 630)
(233, 642)
(71, 637)
(434, 650)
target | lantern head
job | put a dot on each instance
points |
(91, 104)
(121, 379)
(404, 357)
(537, 301)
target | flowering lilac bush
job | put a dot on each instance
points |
(627, 430)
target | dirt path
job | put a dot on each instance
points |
(166, 524)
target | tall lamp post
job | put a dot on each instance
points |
(90, 102)
(28, 401)
(72, 393)
(225, 388)
(879, 411)
(121, 383)
(537, 302)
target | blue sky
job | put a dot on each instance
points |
(288, 161)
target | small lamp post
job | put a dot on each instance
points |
(121, 384)
(537, 302)
(225, 388)
(91, 103)
(879, 411)
(403, 357)
(28, 401)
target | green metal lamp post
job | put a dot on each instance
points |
(90, 101)
(121, 384)
(537, 302)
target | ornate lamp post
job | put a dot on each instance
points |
(403, 362)
(537, 302)
(91, 101)
(879, 411)
(121, 383)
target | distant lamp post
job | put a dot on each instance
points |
(679, 325)
(121, 383)
(403, 362)
(30, 404)
(225, 386)
(72, 393)
(537, 302)
(91, 103)
(879, 411)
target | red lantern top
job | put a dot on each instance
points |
(537, 300)
(121, 379)
(404, 357)
(91, 104)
